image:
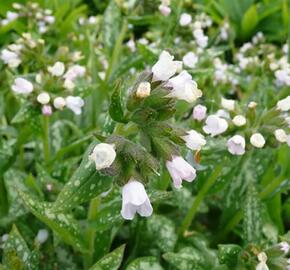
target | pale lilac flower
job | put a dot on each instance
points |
(10, 58)
(74, 72)
(165, 10)
(236, 145)
(194, 140)
(284, 104)
(284, 246)
(57, 69)
(199, 112)
(131, 45)
(185, 19)
(46, 110)
(165, 67)
(200, 38)
(257, 140)
(184, 88)
(103, 155)
(135, 200)
(75, 104)
(215, 125)
(22, 86)
(180, 170)
(42, 236)
(190, 60)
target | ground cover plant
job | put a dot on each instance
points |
(144, 134)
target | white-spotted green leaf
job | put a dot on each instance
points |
(85, 184)
(228, 254)
(145, 263)
(111, 261)
(61, 223)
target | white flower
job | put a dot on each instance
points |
(49, 19)
(165, 10)
(180, 170)
(190, 59)
(199, 112)
(75, 104)
(59, 103)
(43, 98)
(143, 90)
(103, 155)
(284, 246)
(57, 69)
(184, 88)
(10, 58)
(194, 140)
(262, 257)
(236, 145)
(252, 105)
(11, 16)
(200, 37)
(257, 140)
(185, 19)
(135, 200)
(74, 72)
(228, 104)
(41, 236)
(22, 86)
(284, 104)
(215, 125)
(165, 67)
(280, 135)
(223, 114)
(131, 45)
(68, 84)
(239, 120)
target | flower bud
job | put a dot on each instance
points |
(236, 145)
(252, 105)
(284, 104)
(239, 120)
(165, 10)
(199, 112)
(59, 103)
(42, 236)
(57, 69)
(257, 140)
(228, 104)
(143, 90)
(46, 110)
(43, 98)
(103, 155)
(281, 135)
(185, 19)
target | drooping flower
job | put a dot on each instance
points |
(194, 140)
(135, 200)
(41, 236)
(103, 155)
(199, 112)
(257, 140)
(284, 104)
(215, 125)
(75, 104)
(236, 145)
(228, 104)
(43, 98)
(239, 120)
(165, 67)
(22, 86)
(143, 90)
(190, 59)
(57, 69)
(180, 170)
(184, 88)
(59, 103)
(281, 135)
(185, 19)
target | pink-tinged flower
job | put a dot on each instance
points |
(185, 19)
(199, 112)
(75, 104)
(46, 110)
(236, 145)
(190, 59)
(22, 86)
(194, 140)
(284, 246)
(135, 200)
(165, 67)
(165, 10)
(215, 125)
(74, 72)
(184, 87)
(180, 170)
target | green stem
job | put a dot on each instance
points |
(91, 232)
(46, 139)
(199, 198)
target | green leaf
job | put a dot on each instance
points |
(111, 26)
(111, 261)
(144, 263)
(228, 254)
(116, 109)
(85, 184)
(249, 21)
(62, 224)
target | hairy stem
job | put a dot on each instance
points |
(46, 149)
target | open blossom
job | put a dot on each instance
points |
(199, 112)
(135, 200)
(257, 140)
(75, 104)
(165, 67)
(185, 19)
(59, 103)
(281, 135)
(41, 236)
(236, 145)
(228, 104)
(284, 104)
(239, 120)
(74, 72)
(190, 60)
(103, 155)
(215, 125)
(284, 246)
(184, 88)
(57, 69)
(194, 140)
(10, 58)
(22, 86)
(143, 90)
(200, 38)
(180, 170)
